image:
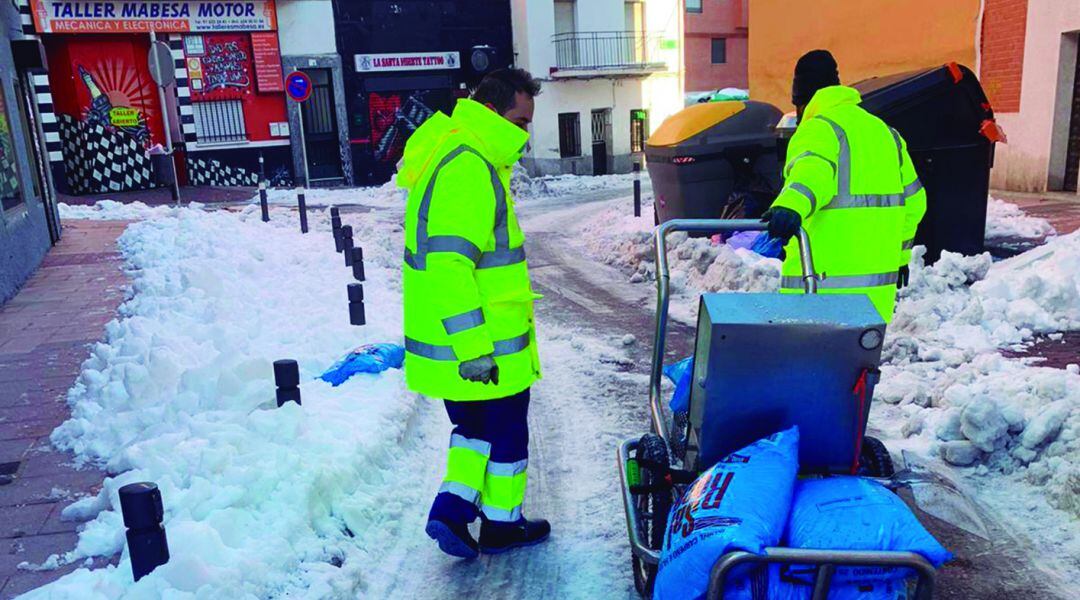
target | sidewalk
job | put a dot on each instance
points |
(162, 196)
(1061, 209)
(44, 333)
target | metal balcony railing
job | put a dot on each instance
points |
(598, 50)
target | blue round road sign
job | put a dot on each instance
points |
(298, 86)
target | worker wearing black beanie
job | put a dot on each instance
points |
(815, 70)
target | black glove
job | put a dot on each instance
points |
(903, 277)
(783, 223)
(480, 370)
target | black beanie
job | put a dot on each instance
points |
(815, 70)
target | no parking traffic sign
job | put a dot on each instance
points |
(298, 86)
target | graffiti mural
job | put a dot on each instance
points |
(112, 102)
(395, 116)
(219, 65)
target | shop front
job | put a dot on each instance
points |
(225, 116)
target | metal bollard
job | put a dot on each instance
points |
(263, 203)
(335, 227)
(356, 304)
(358, 263)
(287, 380)
(347, 243)
(143, 513)
(303, 208)
(637, 189)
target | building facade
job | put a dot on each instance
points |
(1029, 66)
(612, 71)
(405, 59)
(868, 38)
(716, 44)
(226, 116)
(29, 223)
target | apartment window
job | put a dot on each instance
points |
(565, 16)
(639, 129)
(218, 121)
(9, 170)
(569, 135)
(693, 6)
(719, 51)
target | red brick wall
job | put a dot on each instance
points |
(1002, 46)
(717, 19)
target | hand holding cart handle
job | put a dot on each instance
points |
(810, 280)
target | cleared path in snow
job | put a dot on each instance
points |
(592, 396)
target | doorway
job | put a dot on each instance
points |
(1072, 153)
(320, 129)
(37, 152)
(601, 141)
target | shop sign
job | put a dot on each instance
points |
(123, 116)
(407, 61)
(266, 54)
(128, 16)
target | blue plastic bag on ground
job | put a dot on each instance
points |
(852, 513)
(741, 503)
(370, 358)
(680, 374)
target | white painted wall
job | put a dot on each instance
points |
(306, 27)
(534, 23)
(1026, 161)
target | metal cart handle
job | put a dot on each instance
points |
(810, 280)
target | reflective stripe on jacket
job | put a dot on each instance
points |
(465, 280)
(849, 176)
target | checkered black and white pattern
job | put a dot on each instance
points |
(26, 17)
(183, 88)
(208, 171)
(97, 160)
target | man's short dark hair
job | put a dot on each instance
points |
(500, 88)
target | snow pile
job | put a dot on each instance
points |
(259, 500)
(1007, 222)
(959, 394)
(111, 210)
(552, 186)
(383, 196)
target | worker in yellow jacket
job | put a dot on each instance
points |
(848, 180)
(469, 332)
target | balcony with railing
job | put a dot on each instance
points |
(606, 54)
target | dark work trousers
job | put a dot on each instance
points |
(498, 428)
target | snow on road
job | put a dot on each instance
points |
(1010, 426)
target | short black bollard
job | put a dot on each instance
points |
(302, 204)
(263, 202)
(637, 189)
(356, 304)
(358, 263)
(143, 513)
(335, 227)
(347, 243)
(287, 380)
(334, 211)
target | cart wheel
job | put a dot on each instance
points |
(653, 507)
(874, 460)
(680, 424)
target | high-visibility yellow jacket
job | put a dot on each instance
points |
(850, 178)
(466, 281)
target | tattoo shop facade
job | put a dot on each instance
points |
(108, 123)
(406, 59)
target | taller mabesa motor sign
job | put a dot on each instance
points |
(126, 16)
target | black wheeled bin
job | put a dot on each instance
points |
(949, 127)
(715, 160)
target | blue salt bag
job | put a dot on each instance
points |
(852, 513)
(679, 374)
(767, 246)
(741, 503)
(370, 358)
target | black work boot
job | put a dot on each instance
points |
(496, 538)
(453, 538)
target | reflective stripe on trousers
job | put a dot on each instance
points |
(504, 491)
(502, 255)
(466, 463)
(435, 352)
(840, 282)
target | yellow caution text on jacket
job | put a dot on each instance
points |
(466, 280)
(850, 178)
